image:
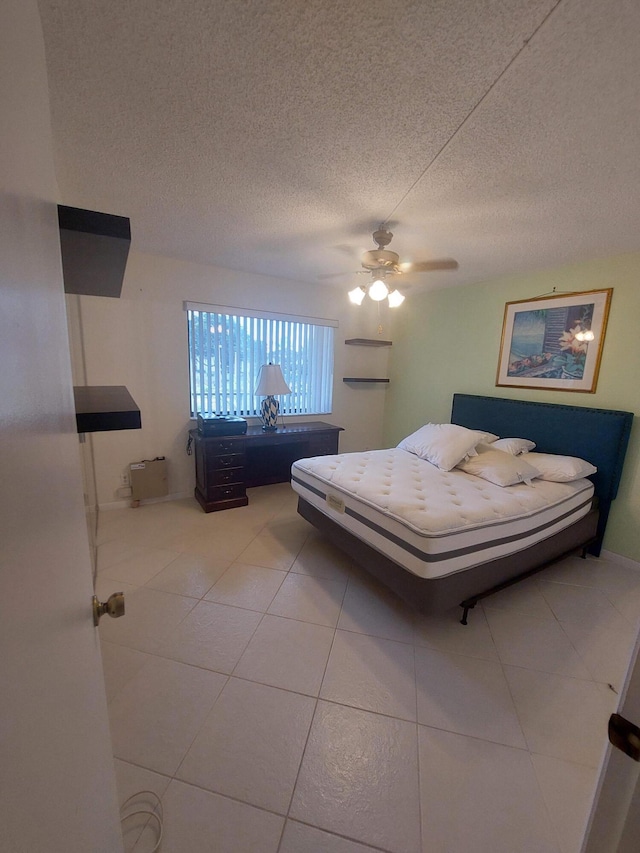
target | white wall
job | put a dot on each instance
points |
(140, 340)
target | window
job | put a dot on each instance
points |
(226, 351)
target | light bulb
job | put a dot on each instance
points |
(395, 299)
(357, 295)
(378, 290)
(586, 335)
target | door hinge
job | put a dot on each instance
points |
(624, 736)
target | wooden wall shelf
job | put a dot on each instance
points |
(101, 408)
(368, 342)
(94, 248)
(361, 379)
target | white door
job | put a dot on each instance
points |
(57, 788)
(614, 823)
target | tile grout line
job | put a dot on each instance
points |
(313, 716)
(528, 750)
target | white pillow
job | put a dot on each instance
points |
(514, 446)
(444, 445)
(560, 469)
(499, 467)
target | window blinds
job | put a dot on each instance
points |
(226, 351)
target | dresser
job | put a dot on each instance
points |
(227, 465)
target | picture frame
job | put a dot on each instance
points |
(554, 342)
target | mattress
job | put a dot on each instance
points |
(431, 522)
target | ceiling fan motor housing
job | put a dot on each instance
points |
(382, 237)
(380, 258)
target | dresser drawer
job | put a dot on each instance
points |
(225, 493)
(228, 460)
(220, 476)
(217, 446)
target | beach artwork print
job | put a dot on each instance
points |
(554, 342)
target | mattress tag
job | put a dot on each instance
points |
(335, 503)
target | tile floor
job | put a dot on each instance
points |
(278, 699)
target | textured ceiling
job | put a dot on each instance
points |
(273, 137)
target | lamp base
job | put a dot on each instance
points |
(269, 409)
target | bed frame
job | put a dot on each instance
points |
(600, 436)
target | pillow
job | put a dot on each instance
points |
(444, 445)
(499, 467)
(560, 469)
(514, 446)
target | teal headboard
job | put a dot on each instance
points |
(600, 436)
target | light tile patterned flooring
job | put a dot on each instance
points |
(278, 699)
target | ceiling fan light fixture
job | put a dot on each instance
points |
(357, 295)
(395, 298)
(378, 290)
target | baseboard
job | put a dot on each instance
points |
(124, 504)
(627, 562)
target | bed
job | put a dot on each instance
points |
(374, 505)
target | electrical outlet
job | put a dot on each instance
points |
(124, 478)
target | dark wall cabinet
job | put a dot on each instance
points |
(226, 466)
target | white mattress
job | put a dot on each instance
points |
(432, 522)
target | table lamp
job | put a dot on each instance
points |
(270, 382)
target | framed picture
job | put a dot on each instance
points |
(554, 342)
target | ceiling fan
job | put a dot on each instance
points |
(382, 262)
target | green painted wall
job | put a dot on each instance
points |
(448, 341)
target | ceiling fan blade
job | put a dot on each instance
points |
(430, 266)
(339, 274)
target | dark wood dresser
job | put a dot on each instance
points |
(227, 465)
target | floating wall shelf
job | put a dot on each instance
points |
(100, 408)
(368, 342)
(360, 379)
(94, 248)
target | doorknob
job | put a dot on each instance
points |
(624, 736)
(114, 606)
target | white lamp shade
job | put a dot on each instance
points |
(378, 290)
(395, 299)
(271, 381)
(357, 295)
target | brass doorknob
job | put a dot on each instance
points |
(113, 606)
